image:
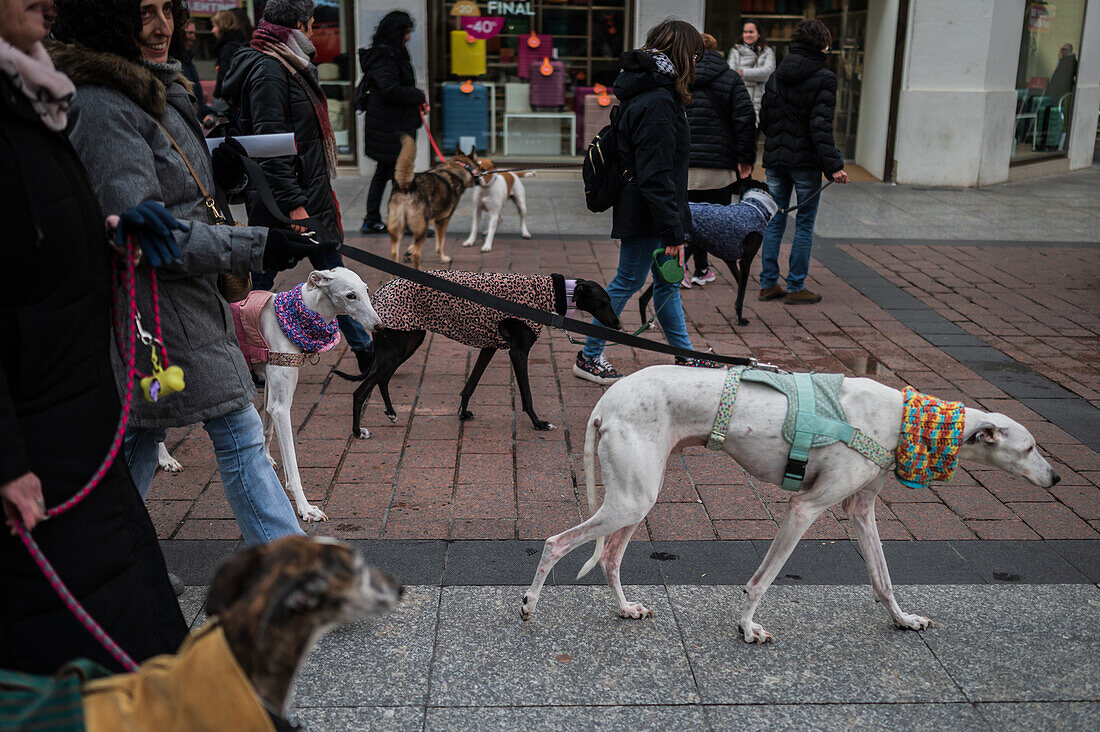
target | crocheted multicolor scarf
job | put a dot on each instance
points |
(305, 328)
(931, 435)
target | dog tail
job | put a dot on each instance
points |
(349, 377)
(590, 436)
(406, 161)
(526, 173)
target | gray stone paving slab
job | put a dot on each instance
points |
(362, 719)
(1028, 643)
(833, 717)
(564, 719)
(832, 645)
(508, 562)
(574, 650)
(1027, 717)
(707, 563)
(381, 661)
(926, 563)
(412, 561)
(1084, 556)
(1023, 562)
(196, 561)
(831, 562)
(191, 602)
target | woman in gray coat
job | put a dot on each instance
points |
(754, 59)
(132, 110)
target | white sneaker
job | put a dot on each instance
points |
(708, 276)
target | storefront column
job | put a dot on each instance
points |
(878, 76)
(958, 95)
(648, 13)
(1082, 138)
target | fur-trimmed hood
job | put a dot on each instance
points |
(96, 68)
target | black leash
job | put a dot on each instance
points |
(544, 317)
(544, 166)
(803, 203)
(258, 181)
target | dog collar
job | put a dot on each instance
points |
(570, 298)
(305, 328)
(931, 435)
(761, 201)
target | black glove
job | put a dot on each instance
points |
(285, 248)
(229, 173)
(151, 225)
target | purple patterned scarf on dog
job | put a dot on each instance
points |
(305, 328)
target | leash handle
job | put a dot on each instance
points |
(431, 139)
(803, 203)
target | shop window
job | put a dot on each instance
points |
(513, 78)
(1046, 78)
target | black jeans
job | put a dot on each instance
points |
(383, 174)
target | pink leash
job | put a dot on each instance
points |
(47, 569)
(430, 138)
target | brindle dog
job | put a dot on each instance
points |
(428, 197)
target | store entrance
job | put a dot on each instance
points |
(524, 81)
(846, 20)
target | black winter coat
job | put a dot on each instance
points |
(270, 101)
(654, 145)
(721, 116)
(227, 45)
(393, 104)
(58, 415)
(799, 133)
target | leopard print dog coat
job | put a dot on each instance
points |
(405, 305)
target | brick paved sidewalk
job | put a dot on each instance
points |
(430, 476)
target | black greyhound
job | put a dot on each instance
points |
(402, 303)
(750, 245)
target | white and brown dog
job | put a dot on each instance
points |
(661, 409)
(493, 191)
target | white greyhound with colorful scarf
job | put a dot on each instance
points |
(662, 409)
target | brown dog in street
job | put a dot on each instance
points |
(430, 197)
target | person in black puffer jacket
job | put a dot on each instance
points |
(229, 38)
(723, 140)
(652, 211)
(392, 107)
(271, 86)
(796, 117)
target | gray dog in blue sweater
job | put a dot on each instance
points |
(732, 233)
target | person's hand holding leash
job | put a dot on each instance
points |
(676, 251)
(151, 224)
(229, 171)
(285, 249)
(744, 170)
(23, 500)
(298, 214)
(840, 177)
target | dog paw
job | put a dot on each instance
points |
(469, 242)
(742, 321)
(364, 433)
(543, 426)
(912, 622)
(527, 235)
(392, 416)
(408, 256)
(445, 259)
(274, 462)
(635, 611)
(312, 513)
(171, 465)
(465, 415)
(754, 633)
(527, 607)
(486, 248)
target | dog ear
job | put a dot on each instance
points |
(308, 593)
(986, 432)
(233, 579)
(320, 278)
(473, 152)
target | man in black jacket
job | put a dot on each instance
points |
(272, 85)
(796, 117)
(392, 107)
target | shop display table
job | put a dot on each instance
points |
(537, 134)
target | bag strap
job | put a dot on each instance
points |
(219, 217)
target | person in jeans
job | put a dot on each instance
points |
(796, 117)
(652, 210)
(723, 141)
(392, 106)
(130, 113)
(272, 84)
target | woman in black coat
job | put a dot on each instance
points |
(58, 405)
(652, 210)
(229, 37)
(796, 117)
(723, 139)
(392, 109)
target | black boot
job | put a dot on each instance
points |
(364, 358)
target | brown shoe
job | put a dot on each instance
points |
(772, 293)
(802, 297)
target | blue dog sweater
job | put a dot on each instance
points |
(722, 229)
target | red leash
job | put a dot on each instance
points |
(430, 138)
(130, 353)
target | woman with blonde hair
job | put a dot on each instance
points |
(229, 37)
(653, 87)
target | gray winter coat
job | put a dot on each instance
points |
(756, 69)
(130, 160)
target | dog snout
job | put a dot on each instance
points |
(1054, 480)
(400, 591)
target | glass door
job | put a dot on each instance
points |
(333, 37)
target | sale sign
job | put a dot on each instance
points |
(482, 28)
(209, 7)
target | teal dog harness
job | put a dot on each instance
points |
(815, 418)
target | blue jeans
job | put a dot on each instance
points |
(259, 503)
(357, 335)
(635, 264)
(805, 182)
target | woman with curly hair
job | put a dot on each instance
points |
(137, 134)
(229, 37)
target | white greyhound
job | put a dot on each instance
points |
(657, 410)
(490, 195)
